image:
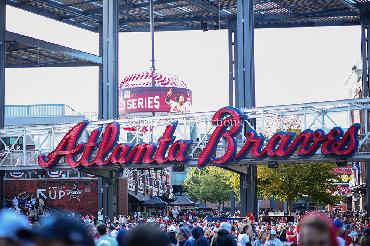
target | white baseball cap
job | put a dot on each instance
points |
(273, 232)
(226, 226)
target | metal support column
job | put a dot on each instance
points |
(100, 192)
(104, 196)
(2, 82)
(111, 197)
(365, 54)
(252, 201)
(242, 87)
(100, 86)
(245, 87)
(2, 61)
(108, 93)
(100, 113)
(367, 173)
(233, 61)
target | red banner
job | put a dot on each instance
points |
(155, 99)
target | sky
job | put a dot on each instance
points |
(292, 65)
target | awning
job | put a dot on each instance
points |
(139, 197)
(183, 201)
(154, 201)
(202, 206)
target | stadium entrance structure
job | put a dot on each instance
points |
(190, 134)
(102, 148)
(240, 17)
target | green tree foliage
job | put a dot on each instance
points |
(290, 182)
(210, 184)
(233, 179)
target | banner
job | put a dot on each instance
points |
(155, 99)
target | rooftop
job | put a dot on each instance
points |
(40, 114)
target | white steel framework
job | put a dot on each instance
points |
(20, 147)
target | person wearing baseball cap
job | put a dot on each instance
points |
(183, 236)
(223, 236)
(273, 240)
(172, 234)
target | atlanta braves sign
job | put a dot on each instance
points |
(228, 123)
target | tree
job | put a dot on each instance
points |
(233, 179)
(192, 183)
(210, 184)
(290, 182)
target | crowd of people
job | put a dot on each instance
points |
(186, 228)
(27, 204)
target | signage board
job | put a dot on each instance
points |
(155, 99)
(228, 124)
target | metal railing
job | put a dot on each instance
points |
(39, 110)
(194, 126)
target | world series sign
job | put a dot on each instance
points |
(228, 124)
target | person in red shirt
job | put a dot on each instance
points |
(291, 235)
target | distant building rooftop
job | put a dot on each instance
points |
(40, 114)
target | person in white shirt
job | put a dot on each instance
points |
(179, 105)
(15, 201)
(243, 237)
(273, 240)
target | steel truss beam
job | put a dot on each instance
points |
(206, 5)
(52, 16)
(298, 15)
(85, 59)
(129, 6)
(71, 11)
(170, 19)
(350, 5)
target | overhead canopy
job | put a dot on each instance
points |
(155, 202)
(23, 51)
(171, 15)
(202, 206)
(182, 201)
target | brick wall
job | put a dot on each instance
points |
(74, 195)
